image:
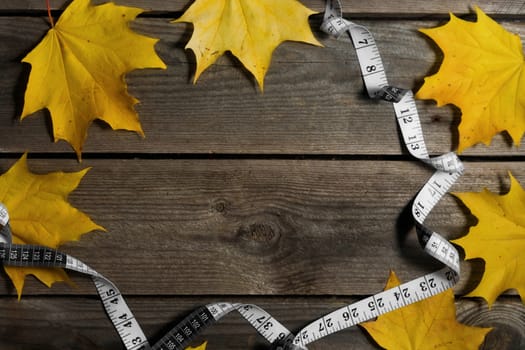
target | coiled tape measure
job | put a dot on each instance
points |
(448, 169)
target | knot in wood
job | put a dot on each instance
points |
(261, 232)
(259, 237)
(220, 205)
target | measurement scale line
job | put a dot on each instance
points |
(448, 169)
(440, 281)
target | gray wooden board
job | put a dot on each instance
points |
(313, 101)
(49, 323)
(304, 209)
(260, 226)
(412, 7)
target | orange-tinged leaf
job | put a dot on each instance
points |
(498, 238)
(249, 29)
(428, 324)
(77, 70)
(481, 73)
(40, 214)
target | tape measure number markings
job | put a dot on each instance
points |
(119, 313)
(376, 305)
(449, 169)
(180, 336)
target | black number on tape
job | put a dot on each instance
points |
(448, 166)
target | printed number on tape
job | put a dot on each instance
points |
(448, 169)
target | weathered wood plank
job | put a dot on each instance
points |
(259, 227)
(313, 101)
(47, 323)
(413, 7)
(507, 321)
(280, 233)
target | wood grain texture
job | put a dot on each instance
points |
(412, 7)
(296, 199)
(313, 101)
(271, 227)
(49, 323)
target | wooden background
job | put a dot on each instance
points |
(295, 199)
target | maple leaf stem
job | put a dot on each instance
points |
(49, 14)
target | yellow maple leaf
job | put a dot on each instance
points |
(481, 73)
(428, 324)
(40, 214)
(200, 347)
(249, 29)
(498, 238)
(79, 66)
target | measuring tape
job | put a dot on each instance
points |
(448, 169)
(130, 332)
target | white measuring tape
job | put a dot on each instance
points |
(448, 169)
(116, 308)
